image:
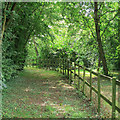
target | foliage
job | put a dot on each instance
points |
(66, 29)
(21, 22)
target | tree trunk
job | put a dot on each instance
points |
(100, 48)
(99, 61)
(4, 22)
(119, 33)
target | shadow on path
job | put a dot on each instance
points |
(44, 94)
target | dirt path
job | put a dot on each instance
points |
(44, 94)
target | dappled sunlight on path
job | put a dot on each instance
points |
(44, 94)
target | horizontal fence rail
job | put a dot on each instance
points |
(68, 68)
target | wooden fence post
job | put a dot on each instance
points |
(113, 97)
(74, 69)
(52, 64)
(84, 80)
(49, 63)
(36, 63)
(90, 84)
(98, 93)
(70, 80)
(41, 63)
(30, 63)
(60, 64)
(68, 69)
(46, 64)
(119, 97)
(65, 66)
(78, 76)
(55, 65)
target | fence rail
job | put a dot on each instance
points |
(68, 68)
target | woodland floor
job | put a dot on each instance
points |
(38, 93)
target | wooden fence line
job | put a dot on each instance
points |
(65, 67)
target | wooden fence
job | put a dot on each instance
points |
(72, 69)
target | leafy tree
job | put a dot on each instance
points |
(75, 30)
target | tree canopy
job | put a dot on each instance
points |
(87, 31)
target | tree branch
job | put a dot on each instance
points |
(3, 26)
(108, 24)
(13, 7)
(8, 20)
(20, 7)
(89, 27)
(102, 3)
(108, 12)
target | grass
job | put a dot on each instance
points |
(106, 90)
(39, 93)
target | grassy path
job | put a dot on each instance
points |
(44, 94)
